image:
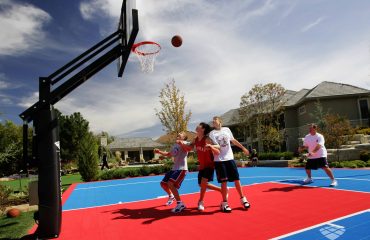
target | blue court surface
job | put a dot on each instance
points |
(355, 225)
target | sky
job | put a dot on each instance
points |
(228, 46)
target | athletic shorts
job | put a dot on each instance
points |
(226, 171)
(206, 173)
(316, 163)
(175, 176)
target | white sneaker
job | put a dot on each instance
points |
(333, 183)
(225, 207)
(307, 181)
(170, 200)
(179, 207)
(201, 206)
(245, 202)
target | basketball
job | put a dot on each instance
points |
(176, 41)
(13, 213)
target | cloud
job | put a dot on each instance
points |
(312, 24)
(3, 83)
(24, 27)
(221, 58)
(28, 101)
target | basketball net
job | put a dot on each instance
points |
(146, 53)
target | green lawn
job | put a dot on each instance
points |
(66, 182)
(14, 228)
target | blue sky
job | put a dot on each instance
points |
(228, 46)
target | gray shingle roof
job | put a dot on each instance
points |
(328, 89)
(230, 117)
(134, 143)
(296, 97)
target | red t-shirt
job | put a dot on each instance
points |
(205, 156)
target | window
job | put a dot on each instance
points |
(364, 109)
(302, 110)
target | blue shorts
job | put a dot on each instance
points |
(206, 173)
(226, 171)
(175, 176)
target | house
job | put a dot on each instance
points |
(139, 149)
(346, 100)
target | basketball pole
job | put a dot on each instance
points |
(45, 150)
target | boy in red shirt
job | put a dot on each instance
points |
(205, 150)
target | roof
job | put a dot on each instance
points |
(171, 137)
(328, 89)
(293, 99)
(230, 117)
(136, 142)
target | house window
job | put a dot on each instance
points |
(302, 110)
(364, 109)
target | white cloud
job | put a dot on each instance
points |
(3, 83)
(28, 101)
(218, 62)
(312, 24)
(24, 27)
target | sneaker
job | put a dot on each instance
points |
(245, 202)
(333, 183)
(201, 206)
(307, 181)
(225, 207)
(170, 200)
(179, 207)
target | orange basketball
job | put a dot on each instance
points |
(12, 213)
(176, 41)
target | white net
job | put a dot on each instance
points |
(146, 53)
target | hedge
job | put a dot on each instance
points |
(119, 173)
(350, 164)
(365, 156)
(276, 156)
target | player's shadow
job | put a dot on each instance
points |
(286, 189)
(152, 214)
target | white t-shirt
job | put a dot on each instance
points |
(223, 137)
(311, 142)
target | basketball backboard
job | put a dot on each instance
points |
(129, 27)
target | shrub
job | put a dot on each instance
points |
(144, 171)
(365, 156)
(5, 192)
(365, 131)
(359, 163)
(368, 164)
(276, 156)
(88, 159)
(192, 166)
(106, 175)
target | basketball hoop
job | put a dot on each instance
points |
(146, 52)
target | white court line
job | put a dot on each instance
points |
(74, 209)
(189, 179)
(335, 225)
(320, 224)
(306, 185)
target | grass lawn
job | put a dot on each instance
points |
(14, 228)
(66, 182)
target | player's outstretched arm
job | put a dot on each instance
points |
(184, 146)
(163, 153)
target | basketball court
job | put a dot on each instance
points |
(281, 208)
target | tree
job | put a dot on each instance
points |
(72, 130)
(172, 114)
(11, 147)
(335, 129)
(319, 114)
(261, 107)
(88, 159)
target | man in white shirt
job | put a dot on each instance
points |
(225, 166)
(314, 143)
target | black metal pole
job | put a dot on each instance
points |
(49, 191)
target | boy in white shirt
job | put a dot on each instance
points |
(314, 143)
(226, 168)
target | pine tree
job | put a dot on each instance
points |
(88, 158)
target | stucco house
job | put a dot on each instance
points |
(336, 98)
